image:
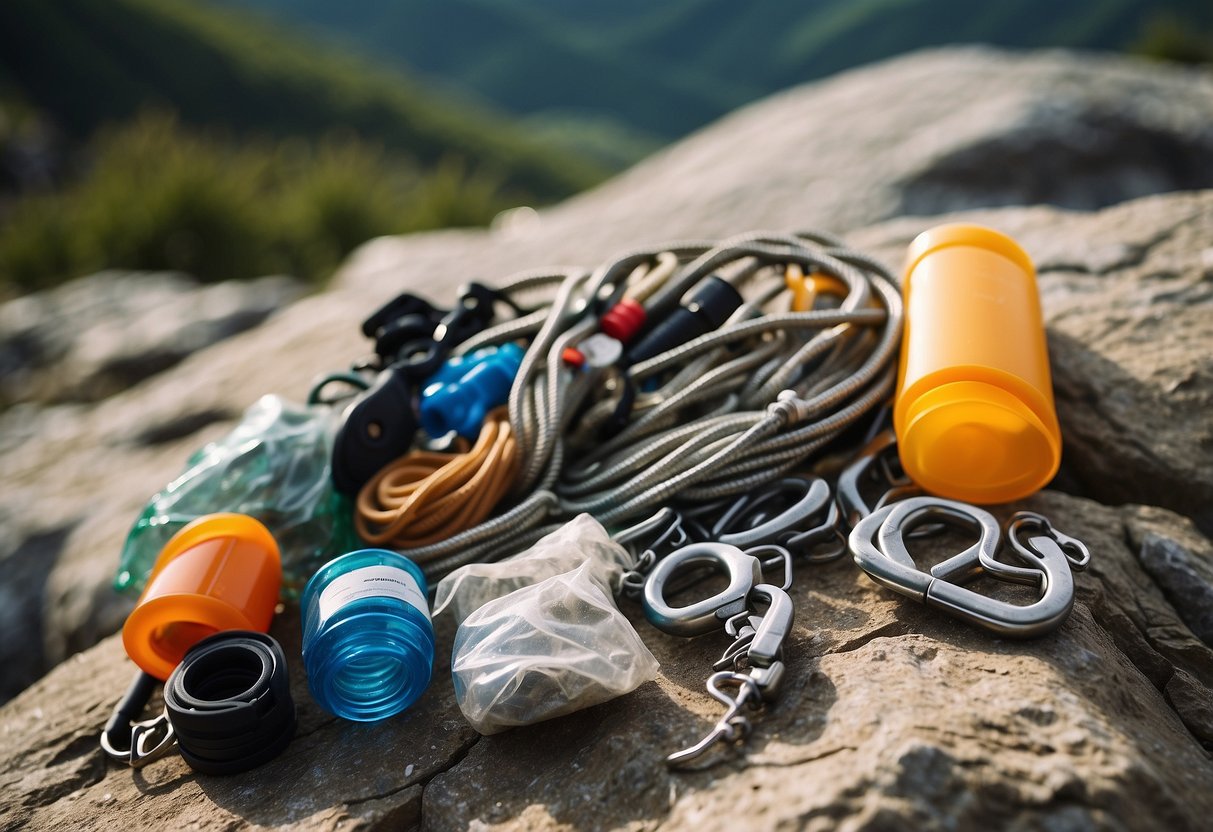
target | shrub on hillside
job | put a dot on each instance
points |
(159, 197)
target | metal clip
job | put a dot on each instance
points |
(146, 732)
(126, 740)
(744, 573)
(876, 463)
(752, 519)
(890, 564)
(659, 534)
(1075, 550)
(757, 671)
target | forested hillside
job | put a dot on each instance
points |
(661, 69)
(167, 134)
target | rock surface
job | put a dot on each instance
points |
(79, 343)
(90, 338)
(893, 716)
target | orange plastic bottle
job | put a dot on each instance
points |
(220, 572)
(974, 410)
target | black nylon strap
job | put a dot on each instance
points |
(230, 702)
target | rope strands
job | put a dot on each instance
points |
(809, 351)
(425, 497)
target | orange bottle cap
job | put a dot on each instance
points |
(976, 442)
(220, 572)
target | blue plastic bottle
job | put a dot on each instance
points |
(466, 388)
(368, 644)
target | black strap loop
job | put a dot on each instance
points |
(229, 702)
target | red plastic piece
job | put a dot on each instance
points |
(623, 320)
(573, 358)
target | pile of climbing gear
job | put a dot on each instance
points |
(575, 445)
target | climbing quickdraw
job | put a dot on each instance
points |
(753, 662)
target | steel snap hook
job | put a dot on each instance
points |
(866, 467)
(753, 663)
(144, 733)
(124, 738)
(658, 534)
(767, 523)
(774, 626)
(733, 726)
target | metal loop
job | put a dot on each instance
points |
(733, 727)
(1075, 550)
(807, 544)
(780, 556)
(857, 474)
(144, 733)
(890, 564)
(743, 571)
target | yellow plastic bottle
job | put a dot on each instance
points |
(974, 410)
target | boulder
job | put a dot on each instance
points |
(893, 717)
(90, 338)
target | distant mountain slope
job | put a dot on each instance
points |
(88, 62)
(666, 68)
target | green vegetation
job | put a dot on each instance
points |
(86, 63)
(158, 197)
(663, 69)
(1168, 38)
(267, 154)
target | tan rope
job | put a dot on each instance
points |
(425, 497)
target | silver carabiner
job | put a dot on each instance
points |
(891, 565)
(809, 498)
(744, 572)
(657, 534)
(145, 733)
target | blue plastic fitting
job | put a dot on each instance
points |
(368, 644)
(466, 388)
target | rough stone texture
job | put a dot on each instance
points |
(894, 717)
(92, 337)
(926, 134)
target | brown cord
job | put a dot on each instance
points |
(425, 497)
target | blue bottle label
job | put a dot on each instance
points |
(372, 581)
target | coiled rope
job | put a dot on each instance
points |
(718, 415)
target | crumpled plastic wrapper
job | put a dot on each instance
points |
(273, 466)
(581, 540)
(544, 651)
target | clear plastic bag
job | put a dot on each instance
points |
(274, 466)
(581, 540)
(544, 651)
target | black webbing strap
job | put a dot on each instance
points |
(229, 702)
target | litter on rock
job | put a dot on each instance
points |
(582, 448)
